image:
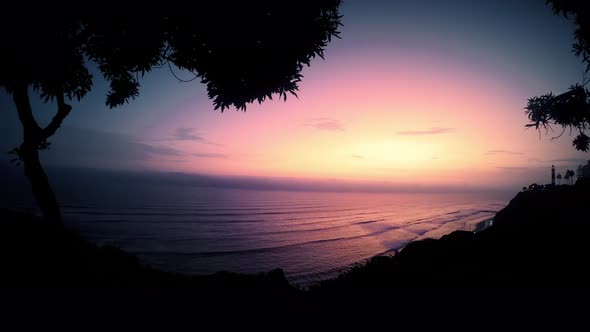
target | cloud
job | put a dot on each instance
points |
(187, 134)
(513, 168)
(570, 160)
(431, 131)
(325, 124)
(494, 152)
(160, 150)
(99, 149)
(358, 156)
(579, 161)
(209, 155)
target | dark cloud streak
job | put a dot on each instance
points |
(512, 168)
(495, 152)
(580, 161)
(431, 131)
(187, 134)
(209, 155)
(91, 148)
(327, 124)
(160, 150)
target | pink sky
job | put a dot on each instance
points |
(407, 96)
(414, 119)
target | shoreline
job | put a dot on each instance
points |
(392, 252)
(301, 283)
(502, 267)
(503, 250)
(484, 224)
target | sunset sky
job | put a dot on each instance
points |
(415, 92)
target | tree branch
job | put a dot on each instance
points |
(63, 110)
(180, 79)
(20, 95)
(558, 136)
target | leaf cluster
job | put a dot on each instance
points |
(243, 51)
(570, 110)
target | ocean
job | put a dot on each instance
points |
(310, 235)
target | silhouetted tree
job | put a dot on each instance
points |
(559, 178)
(569, 110)
(570, 175)
(243, 51)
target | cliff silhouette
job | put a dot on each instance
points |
(538, 239)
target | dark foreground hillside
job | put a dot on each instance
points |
(541, 239)
(533, 261)
(530, 266)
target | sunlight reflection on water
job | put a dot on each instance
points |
(310, 236)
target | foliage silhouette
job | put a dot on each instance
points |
(580, 172)
(570, 174)
(571, 109)
(244, 52)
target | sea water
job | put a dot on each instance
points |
(310, 235)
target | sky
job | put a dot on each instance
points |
(425, 93)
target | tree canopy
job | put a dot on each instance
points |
(243, 51)
(569, 110)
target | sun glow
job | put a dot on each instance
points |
(409, 121)
(379, 108)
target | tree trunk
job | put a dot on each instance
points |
(29, 154)
(40, 185)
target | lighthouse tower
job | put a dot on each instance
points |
(552, 175)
